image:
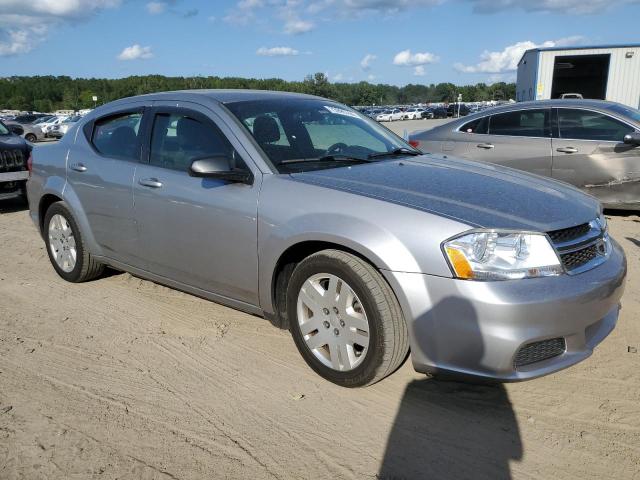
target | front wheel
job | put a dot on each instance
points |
(30, 137)
(67, 252)
(345, 319)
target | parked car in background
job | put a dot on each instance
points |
(592, 144)
(28, 118)
(14, 161)
(457, 110)
(413, 113)
(349, 237)
(574, 96)
(59, 131)
(47, 124)
(31, 133)
(435, 112)
(390, 115)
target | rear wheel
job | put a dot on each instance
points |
(30, 137)
(345, 319)
(67, 252)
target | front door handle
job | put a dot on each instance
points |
(567, 150)
(486, 146)
(150, 182)
(78, 167)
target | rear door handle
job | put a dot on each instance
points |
(150, 182)
(486, 146)
(567, 150)
(78, 167)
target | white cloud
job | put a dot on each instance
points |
(135, 52)
(419, 71)
(156, 8)
(359, 7)
(407, 59)
(296, 26)
(371, 77)
(507, 59)
(573, 7)
(26, 23)
(302, 16)
(365, 63)
(277, 52)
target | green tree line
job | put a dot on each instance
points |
(50, 93)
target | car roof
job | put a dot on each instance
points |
(222, 96)
(595, 104)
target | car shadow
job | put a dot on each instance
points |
(11, 205)
(447, 429)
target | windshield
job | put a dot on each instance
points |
(632, 113)
(303, 134)
(3, 130)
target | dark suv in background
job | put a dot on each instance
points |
(14, 162)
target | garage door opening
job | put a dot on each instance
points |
(584, 74)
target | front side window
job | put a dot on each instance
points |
(178, 139)
(301, 134)
(118, 136)
(3, 130)
(521, 123)
(578, 124)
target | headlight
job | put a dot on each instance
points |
(497, 255)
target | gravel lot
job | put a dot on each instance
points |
(123, 378)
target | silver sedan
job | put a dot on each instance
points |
(592, 144)
(314, 216)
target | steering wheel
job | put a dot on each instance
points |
(336, 148)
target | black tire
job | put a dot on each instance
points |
(388, 336)
(30, 137)
(86, 267)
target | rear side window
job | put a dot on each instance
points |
(178, 139)
(587, 125)
(118, 136)
(522, 123)
(479, 125)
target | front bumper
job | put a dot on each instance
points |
(475, 329)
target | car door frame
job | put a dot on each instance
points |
(590, 185)
(201, 112)
(78, 177)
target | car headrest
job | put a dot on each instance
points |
(265, 129)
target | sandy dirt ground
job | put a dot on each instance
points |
(121, 378)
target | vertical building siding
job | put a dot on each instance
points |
(527, 73)
(623, 84)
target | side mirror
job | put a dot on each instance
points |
(17, 129)
(632, 138)
(218, 167)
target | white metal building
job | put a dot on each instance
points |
(606, 73)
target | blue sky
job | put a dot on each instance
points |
(382, 41)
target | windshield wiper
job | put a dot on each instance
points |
(394, 153)
(328, 158)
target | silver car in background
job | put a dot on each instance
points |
(592, 144)
(308, 213)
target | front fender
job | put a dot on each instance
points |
(390, 236)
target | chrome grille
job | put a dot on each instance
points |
(12, 160)
(579, 258)
(582, 247)
(538, 351)
(568, 234)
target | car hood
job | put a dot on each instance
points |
(480, 195)
(12, 141)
